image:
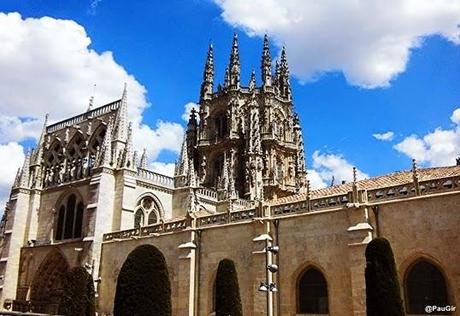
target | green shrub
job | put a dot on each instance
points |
(383, 296)
(143, 286)
(78, 293)
(227, 300)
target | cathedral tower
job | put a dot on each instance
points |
(246, 141)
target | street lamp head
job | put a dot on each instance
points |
(273, 249)
(187, 245)
(263, 237)
(272, 268)
(263, 287)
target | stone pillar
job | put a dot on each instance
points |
(34, 210)
(102, 187)
(19, 236)
(359, 235)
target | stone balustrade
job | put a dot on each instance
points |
(82, 117)
(340, 201)
(156, 178)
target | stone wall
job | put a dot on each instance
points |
(332, 241)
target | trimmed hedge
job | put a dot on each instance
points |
(78, 293)
(383, 296)
(228, 301)
(143, 286)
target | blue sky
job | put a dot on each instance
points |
(342, 99)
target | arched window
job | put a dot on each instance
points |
(146, 208)
(138, 218)
(70, 219)
(312, 293)
(425, 285)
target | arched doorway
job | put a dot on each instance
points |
(312, 297)
(425, 285)
(47, 286)
(143, 286)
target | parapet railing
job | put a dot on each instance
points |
(410, 189)
(407, 190)
(207, 193)
(82, 117)
(155, 177)
(158, 228)
(226, 218)
(339, 201)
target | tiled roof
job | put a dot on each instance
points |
(392, 179)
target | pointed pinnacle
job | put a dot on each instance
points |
(252, 81)
(125, 91)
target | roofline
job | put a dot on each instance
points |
(84, 116)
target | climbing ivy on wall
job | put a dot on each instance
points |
(227, 297)
(143, 286)
(383, 296)
(78, 293)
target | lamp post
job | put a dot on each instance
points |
(269, 287)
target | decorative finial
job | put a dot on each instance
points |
(91, 99)
(252, 81)
(283, 80)
(234, 66)
(415, 177)
(266, 66)
(208, 76)
(414, 166)
(354, 175)
(143, 162)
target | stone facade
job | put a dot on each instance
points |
(83, 198)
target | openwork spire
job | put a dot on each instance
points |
(208, 76)
(121, 123)
(41, 143)
(128, 153)
(106, 158)
(24, 179)
(252, 81)
(182, 165)
(284, 85)
(234, 66)
(143, 162)
(266, 66)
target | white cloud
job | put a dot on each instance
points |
(166, 136)
(388, 136)
(316, 182)
(12, 128)
(47, 65)
(163, 168)
(455, 117)
(438, 148)
(11, 158)
(369, 41)
(327, 166)
(188, 109)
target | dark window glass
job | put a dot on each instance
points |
(70, 219)
(79, 221)
(425, 285)
(152, 218)
(138, 219)
(312, 293)
(60, 224)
